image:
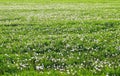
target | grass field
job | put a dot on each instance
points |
(63, 1)
(60, 38)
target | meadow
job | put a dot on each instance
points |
(60, 38)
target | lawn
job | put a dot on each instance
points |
(60, 38)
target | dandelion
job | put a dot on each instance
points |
(68, 72)
(23, 65)
(73, 50)
(79, 53)
(6, 55)
(67, 45)
(40, 67)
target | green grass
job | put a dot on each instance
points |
(59, 1)
(50, 38)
